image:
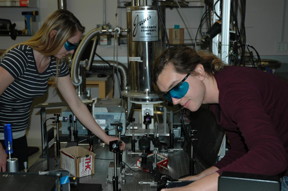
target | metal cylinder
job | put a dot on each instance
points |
(12, 165)
(141, 2)
(146, 41)
(62, 4)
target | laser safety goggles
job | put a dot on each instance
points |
(70, 46)
(179, 90)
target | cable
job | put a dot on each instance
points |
(86, 139)
(125, 164)
(118, 78)
(214, 9)
(49, 119)
(104, 60)
(164, 26)
(190, 36)
(256, 64)
(199, 29)
(206, 18)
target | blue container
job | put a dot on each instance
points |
(8, 138)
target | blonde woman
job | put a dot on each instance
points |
(24, 74)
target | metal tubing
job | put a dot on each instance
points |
(121, 68)
(62, 4)
(76, 78)
(225, 31)
(215, 40)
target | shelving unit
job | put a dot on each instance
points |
(12, 11)
(18, 3)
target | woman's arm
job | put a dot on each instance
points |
(207, 183)
(204, 173)
(5, 79)
(81, 111)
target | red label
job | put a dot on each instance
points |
(24, 3)
(88, 163)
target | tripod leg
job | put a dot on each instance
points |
(115, 177)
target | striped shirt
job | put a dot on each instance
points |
(16, 100)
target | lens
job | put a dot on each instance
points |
(177, 92)
(180, 90)
(69, 46)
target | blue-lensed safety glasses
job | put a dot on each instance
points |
(179, 90)
(70, 46)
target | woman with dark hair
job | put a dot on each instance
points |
(24, 73)
(250, 105)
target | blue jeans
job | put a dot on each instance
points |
(284, 183)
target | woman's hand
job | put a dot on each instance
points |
(204, 173)
(190, 178)
(111, 138)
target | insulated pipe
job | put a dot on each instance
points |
(119, 67)
(75, 67)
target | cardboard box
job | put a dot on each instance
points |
(176, 36)
(78, 161)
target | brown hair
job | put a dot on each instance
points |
(185, 60)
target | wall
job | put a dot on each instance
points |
(266, 28)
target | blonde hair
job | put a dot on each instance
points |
(61, 22)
